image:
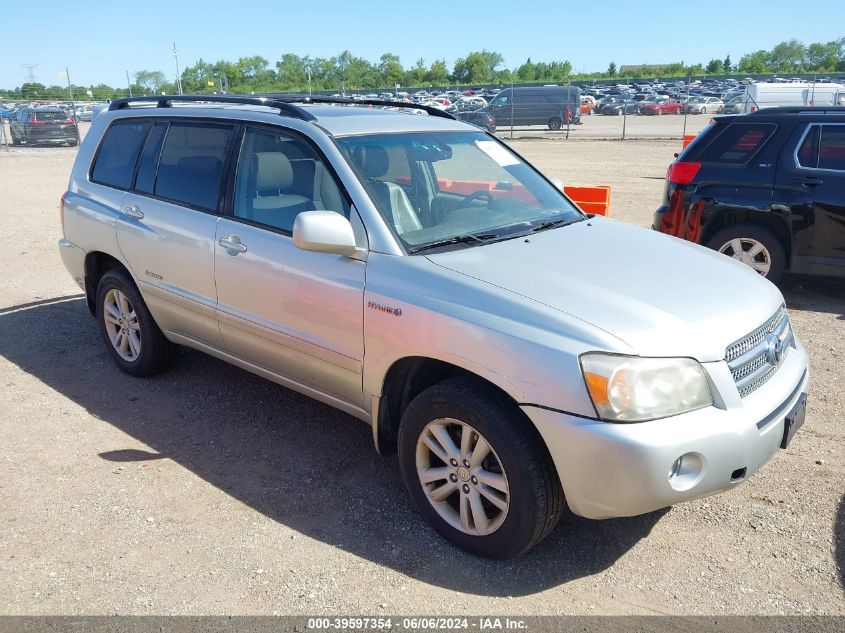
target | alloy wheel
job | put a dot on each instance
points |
(462, 477)
(122, 325)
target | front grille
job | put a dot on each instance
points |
(753, 359)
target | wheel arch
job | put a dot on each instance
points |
(772, 222)
(403, 381)
(97, 264)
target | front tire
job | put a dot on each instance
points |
(753, 245)
(129, 331)
(477, 470)
(554, 124)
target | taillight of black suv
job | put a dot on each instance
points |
(767, 189)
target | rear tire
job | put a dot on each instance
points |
(753, 245)
(129, 331)
(471, 420)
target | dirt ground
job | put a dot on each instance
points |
(210, 491)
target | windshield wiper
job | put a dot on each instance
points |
(553, 223)
(458, 239)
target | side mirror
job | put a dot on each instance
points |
(324, 232)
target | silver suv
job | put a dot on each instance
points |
(417, 273)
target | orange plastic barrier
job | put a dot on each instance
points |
(688, 138)
(590, 198)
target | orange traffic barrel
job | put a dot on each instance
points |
(688, 138)
(590, 198)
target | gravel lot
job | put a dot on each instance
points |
(210, 491)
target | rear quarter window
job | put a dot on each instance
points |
(118, 154)
(737, 143)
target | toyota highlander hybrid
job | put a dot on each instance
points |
(418, 274)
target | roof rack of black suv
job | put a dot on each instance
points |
(285, 104)
(801, 110)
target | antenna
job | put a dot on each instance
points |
(30, 71)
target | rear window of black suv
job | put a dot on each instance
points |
(737, 143)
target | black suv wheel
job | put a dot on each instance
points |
(752, 245)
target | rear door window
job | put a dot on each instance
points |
(118, 154)
(737, 143)
(808, 152)
(832, 147)
(191, 165)
(823, 147)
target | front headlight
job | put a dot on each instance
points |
(634, 389)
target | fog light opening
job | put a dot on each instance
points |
(738, 475)
(686, 471)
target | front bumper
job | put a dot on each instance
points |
(615, 470)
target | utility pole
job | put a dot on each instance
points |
(72, 106)
(128, 83)
(308, 71)
(178, 76)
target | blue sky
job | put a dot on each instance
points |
(99, 41)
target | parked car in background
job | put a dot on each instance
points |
(480, 118)
(617, 107)
(84, 113)
(704, 105)
(588, 104)
(553, 106)
(766, 188)
(43, 124)
(6, 113)
(470, 103)
(660, 106)
(733, 106)
(770, 95)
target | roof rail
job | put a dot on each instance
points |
(801, 110)
(285, 104)
(286, 108)
(432, 111)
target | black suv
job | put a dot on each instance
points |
(43, 124)
(766, 188)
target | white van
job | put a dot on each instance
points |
(769, 95)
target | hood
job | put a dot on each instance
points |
(660, 295)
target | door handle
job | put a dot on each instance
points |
(133, 211)
(810, 181)
(232, 243)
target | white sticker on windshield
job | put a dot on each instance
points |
(498, 153)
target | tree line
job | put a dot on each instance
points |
(348, 73)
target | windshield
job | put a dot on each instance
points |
(432, 187)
